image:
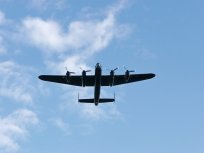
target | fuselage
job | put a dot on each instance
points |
(97, 87)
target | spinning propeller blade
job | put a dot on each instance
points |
(85, 70)
(128, 70)
(115, 69)
(69, 71)
(112, 69)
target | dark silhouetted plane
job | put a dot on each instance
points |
(97, 81)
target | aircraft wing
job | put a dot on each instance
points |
(120, 79)
(73, 80)
(90, 79)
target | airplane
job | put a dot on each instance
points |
(97, 81)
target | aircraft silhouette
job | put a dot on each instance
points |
(97, 81)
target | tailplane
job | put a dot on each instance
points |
(106, 100)
(101, 100)
(86, 100)
(92, 100)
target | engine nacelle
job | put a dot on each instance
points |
(111, 82)
(112, 76)
(68, 76)
(83, 78)
(127, 75)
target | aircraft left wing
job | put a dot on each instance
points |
(73, 80)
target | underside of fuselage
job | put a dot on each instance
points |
(97, 89)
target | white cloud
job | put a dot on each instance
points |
(62, 125)
(81, 35)
(92, 36)
(2, 47)
(145, 54)
(2, 18)
(92, 112)
(47, 4)
(72, 63)
(89, 36)
(38, 3)
(44, 34)
(14, 127)
(15, 82)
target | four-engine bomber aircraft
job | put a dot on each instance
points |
(97, 81)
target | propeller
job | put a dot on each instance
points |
(127, 73)
(68, 72)
(84, 76)
(115, 69)
(85, 70)
(128, 70)
(68, 75)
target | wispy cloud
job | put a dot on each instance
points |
(15, 82)
(62, 125)
(2, 47)
(14, 127)
(89, 36)
(2, 18)
(45, 34)
(84, 36)
(16, 85)
(47, 4)
(145, 54)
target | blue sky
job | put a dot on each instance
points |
(164, 114)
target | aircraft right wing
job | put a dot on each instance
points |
(121, 79)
